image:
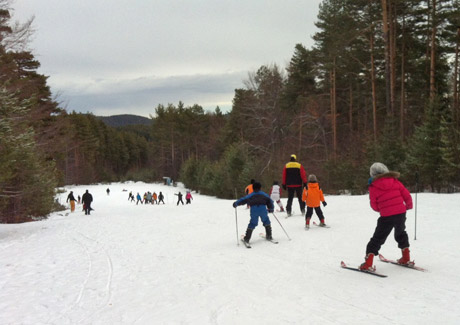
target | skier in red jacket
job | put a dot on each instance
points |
(389, 197)
(294, 178)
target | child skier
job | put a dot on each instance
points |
(249, 189)
(161, 198)
(313, 195)
(179, 198)
(259, 203)
(139, 199)
(188, 197)
(275, 195)
(389, 197)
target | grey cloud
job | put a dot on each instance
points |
(143, 95)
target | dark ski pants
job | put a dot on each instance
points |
(180, 201)
(384, 227)
(87, 208)
(318, 211)
(297, 191)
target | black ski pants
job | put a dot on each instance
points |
(384, 227)
(87, 207)
(318, 211)
(297, 191)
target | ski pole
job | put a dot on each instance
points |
(416, 191)
(236, 222)
(281, 225)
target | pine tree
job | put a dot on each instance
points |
(27, 180)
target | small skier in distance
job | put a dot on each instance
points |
(161, 198)
(179, 198)
(188, 198)
(275, 195)
(139, 198)
(72, 200)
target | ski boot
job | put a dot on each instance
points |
(248, 235)
(367, 265)
(405, 259)
(268, 232)
(307, 223)
(322, 224)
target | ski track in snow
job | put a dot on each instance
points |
(168, 264)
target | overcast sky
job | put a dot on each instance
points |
(127, 56)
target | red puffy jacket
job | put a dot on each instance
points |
(389, 196)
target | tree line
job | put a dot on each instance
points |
(380, 83)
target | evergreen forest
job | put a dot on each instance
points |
(380, 83)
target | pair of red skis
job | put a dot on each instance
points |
(372, 271)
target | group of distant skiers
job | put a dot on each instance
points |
(153, 198)
(188, 197)
(147, 198)
(86, 199)
(387, 194)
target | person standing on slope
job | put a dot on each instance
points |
(139, 198)
(87, 198)
(179, 198)
(72, 200)
(161, 198)
(313, 196)
(259, 203)
(275, 195)
(294, 177)
(188, 198)
(391, 199)
(249, 189)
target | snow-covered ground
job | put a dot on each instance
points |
(169, 264)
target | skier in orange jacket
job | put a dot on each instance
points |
(313, 197)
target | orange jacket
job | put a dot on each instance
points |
(249, 189)
(313, 196)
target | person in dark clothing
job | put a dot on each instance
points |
(259, 202)
(72, 200)
(294, 178)
(108, 191)
(87, 198)
(179, 198)
(161, 198)
(131, 197)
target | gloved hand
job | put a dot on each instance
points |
(270, 210)
(235, 205)
(284, 187)
(324, 203)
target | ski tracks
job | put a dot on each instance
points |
(95, 293)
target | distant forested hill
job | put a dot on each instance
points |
(124, 120)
